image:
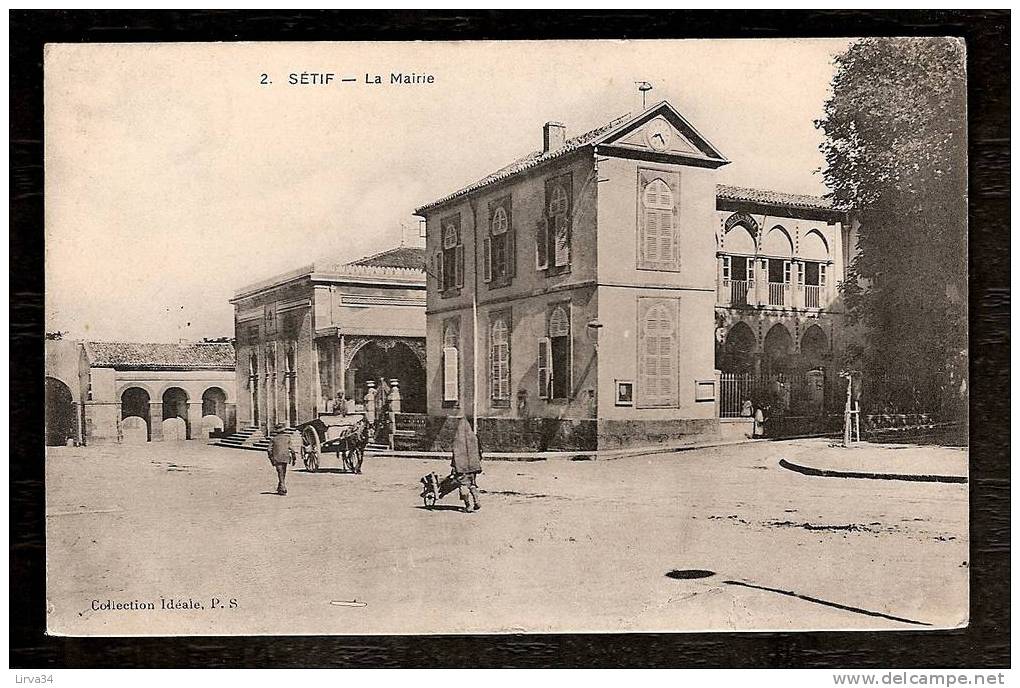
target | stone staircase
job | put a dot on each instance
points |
(249, 437)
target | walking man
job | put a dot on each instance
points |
(281, 453)
(467, 464)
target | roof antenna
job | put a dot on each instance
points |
(644, 87)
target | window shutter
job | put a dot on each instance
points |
(727, 269)
(450, 373)
(544, 368)
(459, 272)
(511, 252)
(786, 271)
(821, 274)
(562, 239)
(487, 260)
(542, 244)
(439, 269)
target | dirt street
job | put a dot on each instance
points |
(710, 539)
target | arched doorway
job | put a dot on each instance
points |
(390, 360)
(214, 403)
(175, 405)
(61, 421)
(738, 350)
(134, 403)
(814, 347)
(777, 347)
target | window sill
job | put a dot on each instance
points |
(451, 404)
(500, 403)
(449, 293)
(652, 267)
(499, 283)
(555, 270)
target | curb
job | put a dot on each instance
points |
(563, 455)
(917, 478)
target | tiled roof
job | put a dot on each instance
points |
(161, 355)
(400, 257)
(530, 160)
(777, 198)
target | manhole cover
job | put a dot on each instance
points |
(689, 574)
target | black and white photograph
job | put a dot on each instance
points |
(508, 338)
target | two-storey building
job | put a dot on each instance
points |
(780, 259)
(571, 295)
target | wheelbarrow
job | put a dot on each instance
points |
(434, 488)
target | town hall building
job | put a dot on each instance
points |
(575, 298)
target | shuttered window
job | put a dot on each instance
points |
(657, 353)
(544, 368)
(554, 232)
(499, 358)
(451, 267)
(451, 362)
(559, 351)
(657, 220)
(499, 259)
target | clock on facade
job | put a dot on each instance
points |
(659, 134)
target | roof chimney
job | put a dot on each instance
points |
(554, 135)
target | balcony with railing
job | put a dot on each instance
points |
(738, 291)
(812, 296)
(779, 294)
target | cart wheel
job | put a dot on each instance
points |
(310, 448)
(429, 499)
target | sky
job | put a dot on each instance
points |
(174, 176)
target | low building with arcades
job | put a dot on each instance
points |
(112, 392)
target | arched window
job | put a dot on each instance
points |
(657, 353)
(658, 248)
(558, 201)
(499, 222)
(499, 359)
(498, 245)
(552, 240)
(449, 259)
(554, 356)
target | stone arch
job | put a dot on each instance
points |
(778, 243)
(814, 344)
(390, 358)
(134, 403)
(214, 402)
(740, 239)
(748, 222)
(175, 405)
(777, 348)
(739, 349)
(61, 413)
(814, 247)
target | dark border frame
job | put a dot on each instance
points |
(985, 643)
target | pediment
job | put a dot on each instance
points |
(662, 130)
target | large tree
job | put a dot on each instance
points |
(896, 158)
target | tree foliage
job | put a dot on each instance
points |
(896, 157)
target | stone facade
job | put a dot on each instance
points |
(304, 336)
(120, 390)
(584, 317)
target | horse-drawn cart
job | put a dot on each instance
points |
(345, 435)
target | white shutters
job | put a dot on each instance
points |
(499, 358)
(451, 361)
(658, 351)
(821, 274)
(787, 269)
(562, 248)
(450, 374)
(554, 238)
(544, 368)
(727, 268)
(657, 220)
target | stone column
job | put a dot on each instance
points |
(761, 282)
(394, 397)
(194, 420)
(156, 421)
(723, 295)
(370, 402)
(797, 283)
